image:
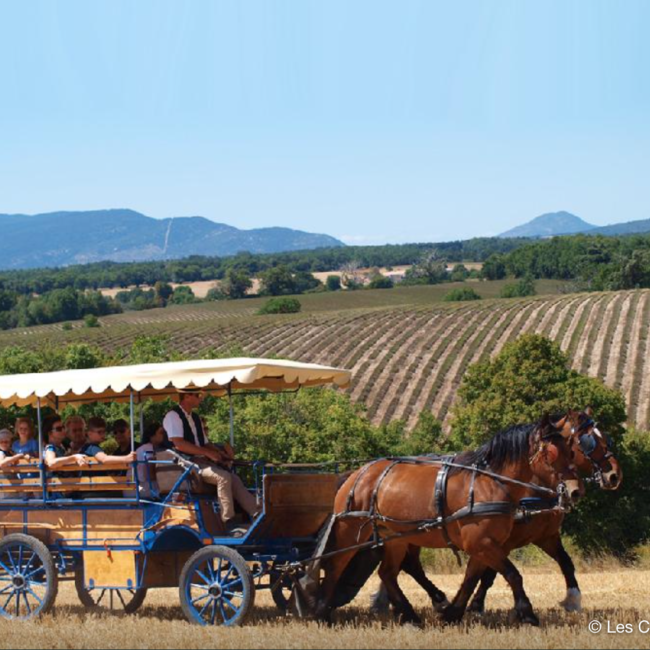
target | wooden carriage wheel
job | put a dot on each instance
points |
(28, 577)
(216, 587)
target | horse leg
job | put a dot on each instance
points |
(388, 571)
(478, 602)
(553, 547)
(453, 613)
(380, 602)
(413, 567)
(488, 552)
(523, 606)
(347, 536)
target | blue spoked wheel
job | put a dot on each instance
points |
(216, 587)
(28, 577)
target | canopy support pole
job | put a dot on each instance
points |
(232, 416)
(141, 422)
(39, 419)
(41, 460)
(132, 419)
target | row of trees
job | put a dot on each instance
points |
(102, 275)
(53, 307)
(586, 262)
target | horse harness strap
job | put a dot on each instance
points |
(482, 509)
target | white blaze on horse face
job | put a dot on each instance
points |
(597, 432)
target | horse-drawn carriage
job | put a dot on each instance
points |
(92, 525)
(63, 525)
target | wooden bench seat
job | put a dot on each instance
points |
(100, 480)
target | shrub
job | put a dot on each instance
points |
(281, 306)
(90, 320)
(462, 294)
(381, 282)
(522, 288)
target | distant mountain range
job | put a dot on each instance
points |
(64, 238)
(565, 223)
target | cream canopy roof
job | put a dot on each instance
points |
(159, 380)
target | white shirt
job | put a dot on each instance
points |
(173, 425)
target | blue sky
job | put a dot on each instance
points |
(371, 121)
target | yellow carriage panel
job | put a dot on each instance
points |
(112, 526)
(51, 525)
(110, 569)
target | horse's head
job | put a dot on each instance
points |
(551, 460)
(592, 450)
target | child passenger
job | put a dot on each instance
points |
(26, 443)
(154, 439)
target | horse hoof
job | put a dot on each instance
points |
(476, 607)
(441, 606)
(573, 600)
(528, 618)
(451, 614)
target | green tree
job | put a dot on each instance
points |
(82, 355)
(149, 349)
(380, 281)
(494, 267)
(314, 425)
(430, 269)
(236, 284)
(531, 376)
(183, 295)
(520, 289)
(163, 292)
(459, 273)
(333, 283)
(278, 281)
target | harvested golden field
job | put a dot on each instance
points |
(617, 596)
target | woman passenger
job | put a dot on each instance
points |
(54, 453)
(26, 443)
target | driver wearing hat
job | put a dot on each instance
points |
(185, 431)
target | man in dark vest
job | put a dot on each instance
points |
(185, 431)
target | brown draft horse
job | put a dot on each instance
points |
(402, 493)
(592, 455)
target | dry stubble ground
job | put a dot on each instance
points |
(620, 596)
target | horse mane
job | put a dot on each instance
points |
(507, 446)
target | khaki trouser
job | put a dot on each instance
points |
(228, 486)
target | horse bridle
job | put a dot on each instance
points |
(588, 443)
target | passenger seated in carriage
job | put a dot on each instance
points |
(26, 443)
(122, 435)
(95, 437)
(154, 439)
(75, 429)
(185, 431)
(7, 456)
(55, 454)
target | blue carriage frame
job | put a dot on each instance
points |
(157, 535)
